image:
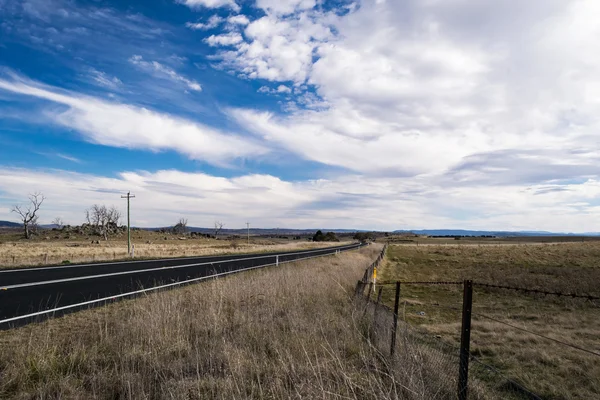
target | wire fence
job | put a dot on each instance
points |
(462, 364)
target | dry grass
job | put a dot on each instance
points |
(147, 245)
(547, 368)
(287, 332)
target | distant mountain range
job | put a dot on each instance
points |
(291, 231)
(463, 232)
(261, 231)
(8, 224)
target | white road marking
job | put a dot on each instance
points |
(6, 271)
(79, 278)
(160, 287)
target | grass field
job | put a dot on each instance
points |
(547, 368)
(77, 249)
(287, 332)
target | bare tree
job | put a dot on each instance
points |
(103, 219)
(218, 227)
(28, 213)
(58, 221)
(180, 227)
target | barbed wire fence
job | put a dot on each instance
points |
(452, 369)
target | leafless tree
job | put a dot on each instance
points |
(28, 213)
(180, 227)
(218, 227)
(103, 219)
(58, 221)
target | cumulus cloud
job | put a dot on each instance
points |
(414, 87)
(197, 4)
(163, 71)
(281, 89)
(283, 7)
(122, 125)
(278, 49)
(238, 20)
(228, 39)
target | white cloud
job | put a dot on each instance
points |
(278, 49)
(345, 202)
(227, 39)
(281, 89)
(102, 79)
(121, 125)
(238, 20)
(69, 158)
(196, 4)
(213, 22)
(283, 7)
(165, 72)
(412, 88)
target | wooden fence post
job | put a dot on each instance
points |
(377, 304)
(465, 340)
(395, 323)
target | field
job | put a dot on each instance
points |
(55, 248)
(547, 368)
(286, 332)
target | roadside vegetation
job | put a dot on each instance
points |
(286, 332)
(547, 368)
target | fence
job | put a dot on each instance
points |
(458, 371)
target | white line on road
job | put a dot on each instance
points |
(160, 287)
(80, 278)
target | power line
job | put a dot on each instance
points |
(537, 334)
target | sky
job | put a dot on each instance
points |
(372, 114)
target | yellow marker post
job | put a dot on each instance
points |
(374, 277)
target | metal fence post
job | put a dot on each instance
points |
(395, 323)
(465, 340)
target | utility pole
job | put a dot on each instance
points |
(129, 196)
(248, 228)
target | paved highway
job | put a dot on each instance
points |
(33, 293)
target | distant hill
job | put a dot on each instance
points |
(260, 231)
(8, 224)
(464, 232)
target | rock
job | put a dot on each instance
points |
(47, 238)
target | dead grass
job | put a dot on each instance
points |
(287, 332)
(41, 252)
(549, 369)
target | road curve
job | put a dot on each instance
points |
(28, 295)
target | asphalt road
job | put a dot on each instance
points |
(31, 294)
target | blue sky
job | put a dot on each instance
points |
(304, 113)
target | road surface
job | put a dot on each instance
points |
(30, 294)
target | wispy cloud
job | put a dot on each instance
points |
(122, 125)
(103, 79)
(163, 71)
(213, 22)
(69, 158)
